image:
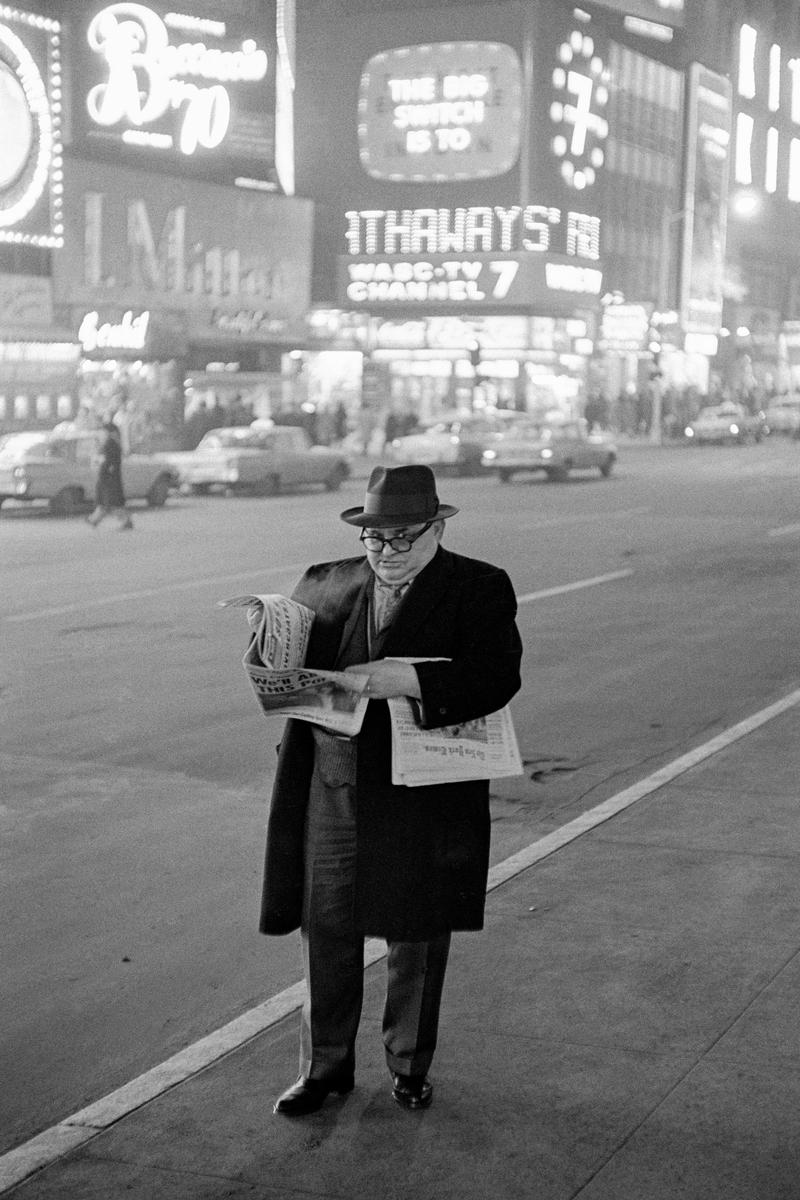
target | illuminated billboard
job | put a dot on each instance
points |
(494, 257)
(31, 181)
(191, 90)
(705, 200)
(662, 12)
(440, 112)
(236, 263)
(577, 113)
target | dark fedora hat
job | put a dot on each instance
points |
(399, 496)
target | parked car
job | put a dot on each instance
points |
(62, 468)
(727, 423)
(244, 458)
(455, 443)
(554, 447)
(783, 416)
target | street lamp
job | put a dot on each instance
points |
(668, 219)
(475, 360)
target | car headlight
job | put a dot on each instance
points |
(18, 473)
(689, 432)
(734, 429)
(546, 452)
(489, 455)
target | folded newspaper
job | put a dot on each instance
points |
(283, 686)
(485, 748)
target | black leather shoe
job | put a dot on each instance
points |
(412, 1091)
(308, 1095)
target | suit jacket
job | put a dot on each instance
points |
(422, 853)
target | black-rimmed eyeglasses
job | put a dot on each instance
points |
(400, 544)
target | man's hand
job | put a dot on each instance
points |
(387, 679)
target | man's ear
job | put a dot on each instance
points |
(438, 529)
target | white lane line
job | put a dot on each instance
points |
(53, 1143)
(783, 531)
(146, 593)
(577, 586)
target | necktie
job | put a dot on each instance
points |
(387, 600)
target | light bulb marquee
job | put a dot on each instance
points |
(580, 84)
(176, 84)
(503, 257)
(31, 170)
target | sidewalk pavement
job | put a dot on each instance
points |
(624, 1029)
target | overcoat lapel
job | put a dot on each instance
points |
(422, 598)
(355, 614)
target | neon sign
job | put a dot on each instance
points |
(128, 334)
(31, 174)
(506, 257)
(581, 86)
(446, 111)
(767, 137)
(149, 79)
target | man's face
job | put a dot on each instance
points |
(401, 566)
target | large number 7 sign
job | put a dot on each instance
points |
(580, 85)
(506, 271)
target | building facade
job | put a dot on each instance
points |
(550, 204)
(165, 252)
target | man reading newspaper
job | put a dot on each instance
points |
(351, 854)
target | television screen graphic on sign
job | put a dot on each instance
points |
(440, 112)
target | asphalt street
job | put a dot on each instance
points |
(657, 607)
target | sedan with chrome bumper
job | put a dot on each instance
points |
(553, 447)
(62, 469)
(266, 461)
(725, 424)
(453, 444)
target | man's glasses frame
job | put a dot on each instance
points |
(401, 544)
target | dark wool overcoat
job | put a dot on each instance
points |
(422, 852)
(109, 492)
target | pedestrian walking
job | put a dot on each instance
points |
(109, 494)
(351, 855)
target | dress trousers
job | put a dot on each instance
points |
(333, 944)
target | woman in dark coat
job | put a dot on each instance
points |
(109, 494)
